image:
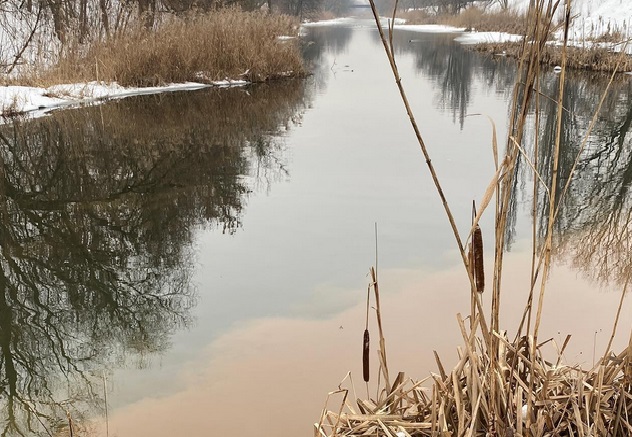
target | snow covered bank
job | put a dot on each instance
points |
(37, 101)
(352, 22)
(466, 37)
(429, 28)
(487, 37)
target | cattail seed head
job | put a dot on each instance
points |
(365, 355)
(477, 259)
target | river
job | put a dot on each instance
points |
(195, 263)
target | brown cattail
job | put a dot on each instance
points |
(477, 259)
(365, 356)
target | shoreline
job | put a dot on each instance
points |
(17, 100)
(588, 59)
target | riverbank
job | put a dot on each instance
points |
(593, 57)
(223, 48)
(597, 38)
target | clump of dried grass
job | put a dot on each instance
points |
(540, 397)
(214, 46)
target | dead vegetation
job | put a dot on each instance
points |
(590, 58)
(502, 385)
(201, 48)
(536, 397)
(597, 53)
(471, 18)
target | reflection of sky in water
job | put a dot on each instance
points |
(270, 376)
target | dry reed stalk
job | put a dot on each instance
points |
(553, 188)
(388, 48)
(105, 397)
(378, 315)
(71, 430)
(539, 24)
(566, 400)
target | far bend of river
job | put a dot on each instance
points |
(202, 257)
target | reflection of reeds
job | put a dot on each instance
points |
(500, 386)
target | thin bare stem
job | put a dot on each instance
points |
(391, 58)
(616, 319)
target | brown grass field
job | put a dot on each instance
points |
(202, 48)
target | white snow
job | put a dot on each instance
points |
(353, 22)
(487, 37)
(342, 21)
(37, 101)
(430, 28)
(592, 19)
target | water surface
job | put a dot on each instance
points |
(202, 257)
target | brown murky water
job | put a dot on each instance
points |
(203, 256)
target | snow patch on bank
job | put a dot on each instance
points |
(353, 22)
(429, 28)
(37, 101)
(487, 37)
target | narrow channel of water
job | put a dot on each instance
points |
(202, 257)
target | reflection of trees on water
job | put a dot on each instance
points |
(319, 42)
(325, 39)
(97, 212)
(454, 68)
(594, 225)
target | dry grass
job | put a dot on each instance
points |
(600, 56)
(593, 58)
(219, 45)
(564, 401)
(472, 18)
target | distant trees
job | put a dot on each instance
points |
(37, 31)
(449, 6)
(298, 7)
(337, 7)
